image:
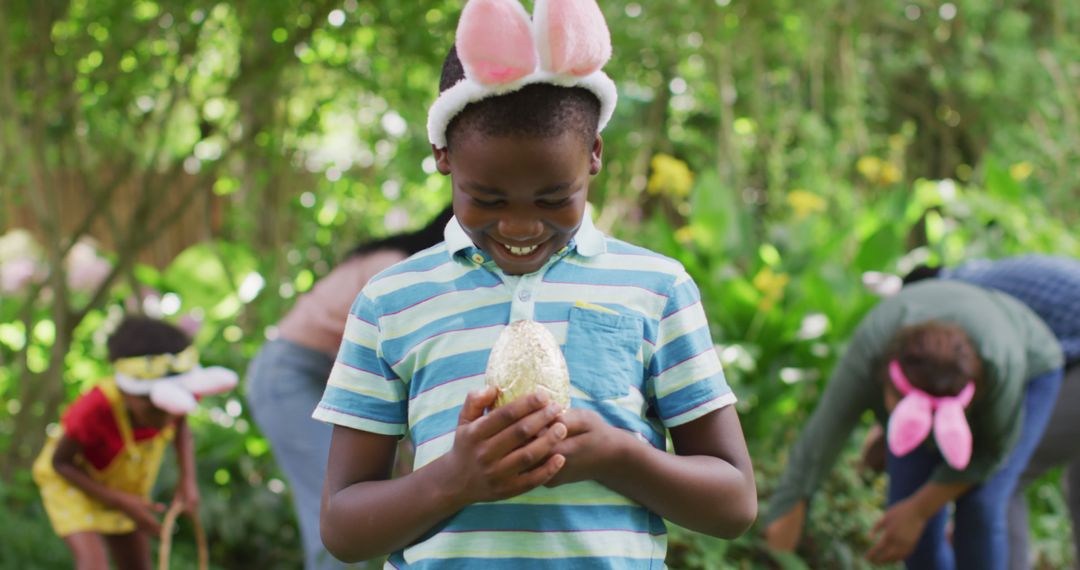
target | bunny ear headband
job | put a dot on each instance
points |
(172, 380)
(910, 422)
(566, 43)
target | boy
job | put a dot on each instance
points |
(529, 484)
(95, 477)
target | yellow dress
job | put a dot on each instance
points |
(133, 470)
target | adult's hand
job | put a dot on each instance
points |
(783, 534)
(897, 533)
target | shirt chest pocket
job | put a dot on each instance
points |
(602, 352)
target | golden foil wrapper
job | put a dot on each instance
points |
(526, 358)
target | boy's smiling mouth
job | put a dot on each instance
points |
(520, 251)
(519, 259)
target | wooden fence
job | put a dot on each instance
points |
(199, 221)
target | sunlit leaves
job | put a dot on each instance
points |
(145, 10)
(208, 276)
(814, 140)
(13, 335)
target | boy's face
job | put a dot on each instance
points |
(144, 413)
(519, 198)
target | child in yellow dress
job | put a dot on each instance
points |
(95, 477)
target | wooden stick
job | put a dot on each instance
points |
(167, 525)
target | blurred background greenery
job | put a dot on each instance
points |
(206, 161)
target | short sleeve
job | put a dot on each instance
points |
(363, 392)
(87, 417)
(686, 377)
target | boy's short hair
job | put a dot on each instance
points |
(141, 336)
(538, 110)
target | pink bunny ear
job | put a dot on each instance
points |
(899, 379)
(494, 41)
(951, 430)
(953, 435)
(965, 396)
(910, 423)
(572, 36)
(171, 397)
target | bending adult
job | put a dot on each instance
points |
(287, 377)
(1049, 286)
(979, 367)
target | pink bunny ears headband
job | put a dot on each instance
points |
(910, 422)
(566, 43)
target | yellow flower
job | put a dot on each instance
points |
(877, 171)
(1021, 170)
(685, 235)
(670, 176)
(889, 174)
(869, 167)
(771, 285)
(804, 203)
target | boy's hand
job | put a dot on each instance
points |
(498, 455)
(589, 446)
(187, 494)
(141, 510)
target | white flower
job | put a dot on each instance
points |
(812, 326)
(85, 269)
(17, 244)
(190, 323)
(16, 274)
(396, 220)
(882, 284)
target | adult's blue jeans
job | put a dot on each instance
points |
(1057, 448)
(285, 381)
(980, 530)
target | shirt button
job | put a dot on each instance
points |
(478, 258)
(524, 296)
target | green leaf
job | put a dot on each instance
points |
(878, 251)
(148, 275)
(1000, 184)
(206, 274)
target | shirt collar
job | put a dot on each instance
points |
(456, 238)
(588, 241)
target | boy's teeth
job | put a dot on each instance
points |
(521, 250)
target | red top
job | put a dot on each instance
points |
(90, 421)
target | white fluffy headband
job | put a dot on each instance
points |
(566, 43)
(176, 394)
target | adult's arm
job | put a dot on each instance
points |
(851, 390)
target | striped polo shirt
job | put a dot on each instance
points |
(632, 328)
